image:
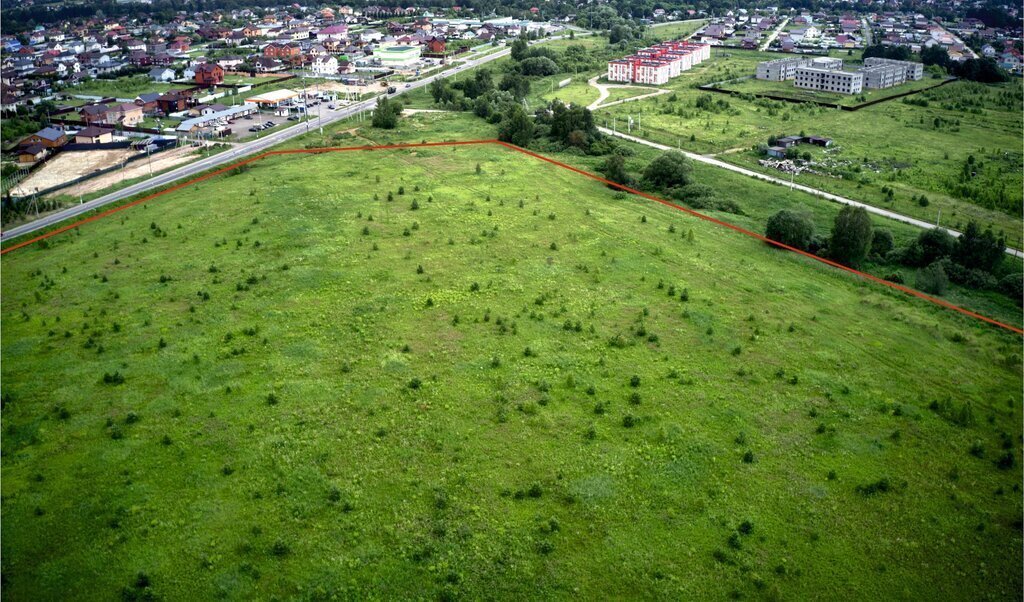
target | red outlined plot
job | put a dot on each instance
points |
(755, 235)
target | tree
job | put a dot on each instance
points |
(790, 228)
(515, 83)
(385, 116)
(932, 279)
(519, 50)
(979, 250)
(931, 245)
(851, 236)
(538, 65)
(935, 55)
(670, 170)
(517, 127)
(614, 169)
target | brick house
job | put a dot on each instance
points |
(209, 74)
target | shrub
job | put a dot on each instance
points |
(634, 381)
(880, 486)
(629, 421)
(748, 457)
(280, 549)
(881, 243)
(790, 228)
(535, 491)
(272, 399)
(932, 279)
(415, 383)
(113, 379)
(1006, 460)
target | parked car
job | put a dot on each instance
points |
(331, 106)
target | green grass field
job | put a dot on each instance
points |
(124, 87)
(492, 388)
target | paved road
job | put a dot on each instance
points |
(818, 193)
(249, 148)
(774, 34)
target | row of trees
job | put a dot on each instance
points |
(974, 260)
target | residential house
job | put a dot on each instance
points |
(172, 102)
(281, 51)
(148, 101)
(49, 137)
(33, 153)
(209, 74)
(94, 135)
(325, 65)
(161, 74)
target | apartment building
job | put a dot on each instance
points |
(883, 76)
(658, 63)
(912, 71)
(784, 69)
(829, 80)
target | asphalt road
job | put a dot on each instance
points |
(241, 150)
(899, 217)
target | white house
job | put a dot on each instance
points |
(161, 74)
(325, 65)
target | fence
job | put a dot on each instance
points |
(98, 172)
(832, 105)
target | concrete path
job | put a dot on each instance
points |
(814, 191)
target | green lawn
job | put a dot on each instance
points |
(124, 87)
(679, 29)
(577, 92)
(324, 418)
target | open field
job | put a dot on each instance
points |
(69, 165)
(672, 31)
(124, 87)
(441, 401)
(914, 150)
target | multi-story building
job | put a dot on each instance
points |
(883, 76)
(659, 63)
(783, 69)
(829, 80)
(912, 71)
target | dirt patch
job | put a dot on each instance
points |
(70, 165)
(137, 169)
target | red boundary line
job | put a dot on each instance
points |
(755, 235)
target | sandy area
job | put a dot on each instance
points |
(136, 169)
(70, 165)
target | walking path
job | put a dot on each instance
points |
(814, 191)
(604, 90)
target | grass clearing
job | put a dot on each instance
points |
(492, 391)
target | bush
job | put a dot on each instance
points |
(790, 228)
(880, 486)
(881, 243)
(670, 170)
(932, 279)
(113, 379)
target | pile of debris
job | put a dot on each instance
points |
(783, 165)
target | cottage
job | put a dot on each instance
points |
(33, 153)
(161, 74)
(49, 137)
(94, 135)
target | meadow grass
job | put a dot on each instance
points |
(462, 372)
